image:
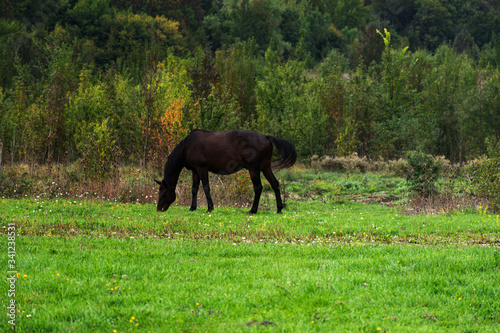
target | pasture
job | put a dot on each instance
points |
(325, 264)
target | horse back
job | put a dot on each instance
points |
(226, 152)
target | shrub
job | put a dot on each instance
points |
(424, 171)
(353, 162)
(485, 180)
(493, 146)
(348, 163)
(399, 167)
(328, 163)
(15, 182)
(96, 144)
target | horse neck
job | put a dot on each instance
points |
(172, 177)
(173, 167)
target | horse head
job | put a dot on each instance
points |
(166, 195)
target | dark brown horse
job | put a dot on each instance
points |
(224, 153)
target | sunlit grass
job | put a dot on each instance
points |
(326, 264)
(103, 284)
(301, 222)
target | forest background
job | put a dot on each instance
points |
(124, 81)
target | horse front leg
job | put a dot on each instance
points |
(257, 188)
(194, 191)
(203, 174)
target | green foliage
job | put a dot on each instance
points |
(235, 20)
(108, 36)
(317, 73)
(452, 88)
(8, 29)
(236, 67)
(95, 142)
(493, 147)
(424, 172)
(464, 43)
(368, 48)
(215, 86)
(334, 63)
(219, 111)
(256, 19)
(16, 117)
(5, 123)
(332, 97)
(394, 120)
(496, 48)
(360, 111)
(88, 104)
(287, 107)
(346, 141)
(15, 184)
(224, 86)
(486, 181)
(486, 110)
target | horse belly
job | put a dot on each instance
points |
(226, 163)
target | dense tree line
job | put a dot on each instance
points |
(106, 80)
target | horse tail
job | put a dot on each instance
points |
(286, 150)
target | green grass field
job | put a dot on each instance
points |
(323, 265)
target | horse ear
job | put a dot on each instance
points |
(157, 182)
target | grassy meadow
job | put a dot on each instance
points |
(336, 260)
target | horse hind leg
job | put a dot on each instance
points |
(268, 173)
(257, 188)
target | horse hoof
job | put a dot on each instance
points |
(252, 212)
(192, 209)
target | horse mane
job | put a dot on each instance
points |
(174, 164)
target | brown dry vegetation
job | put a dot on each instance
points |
(134, 184)
(129, 184)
